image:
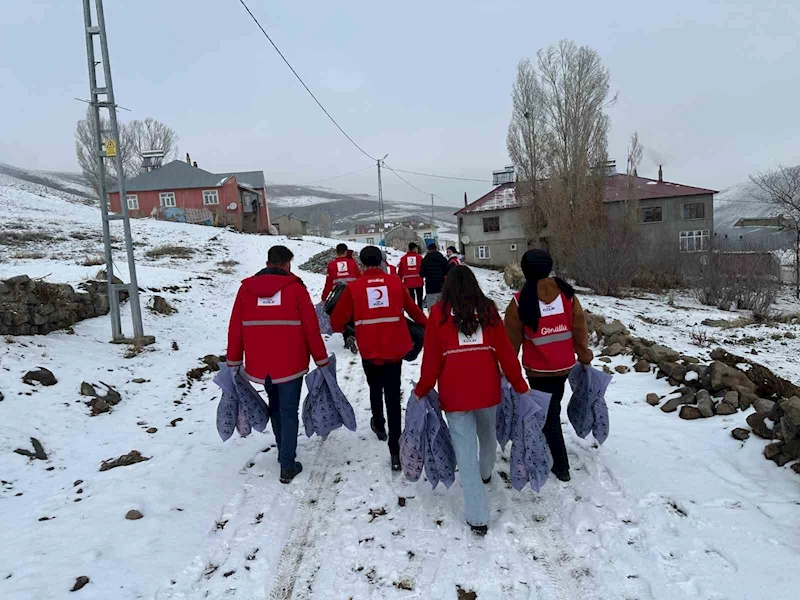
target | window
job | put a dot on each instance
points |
(654, 214)
(210, 197)
(482, 252)
(133, 201)
(694, 241)
(167, 199)
(371, 240)
(491, 224)
(694, 211)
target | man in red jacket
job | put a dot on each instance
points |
(342, 269)
(409, 271)
(274, 330)
(376, 302)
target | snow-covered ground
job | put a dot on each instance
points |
(665, 509)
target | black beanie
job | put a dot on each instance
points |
(536, 264)
(371, 256)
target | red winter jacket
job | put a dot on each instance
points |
(409, 269)
(340, 270)
(376, 302)
(391, 269)
(467, 367)
(274, 328)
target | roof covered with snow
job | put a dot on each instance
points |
(181, 175)
(503, 197)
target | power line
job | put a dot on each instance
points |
(401, 178)
(288, 64)
(443, 176)
(338, 176)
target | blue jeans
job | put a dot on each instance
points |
(475, 462)
(284, 401)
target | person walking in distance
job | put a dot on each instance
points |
(548, 322)
(273, 330)
(434, 269)
(376, 302)
(453, 259)
(465, 348)
(409, 271)
(342, 269)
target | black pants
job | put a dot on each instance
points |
(384, 382)
(552, 424)
(420, 295)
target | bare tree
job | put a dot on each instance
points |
(575, 84)
(635, 154)
(781, 188)
(525, 142)
(325, 225)
(135, 137)
(150, 134)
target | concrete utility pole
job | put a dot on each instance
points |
(107, 145)
(433, 225)
(381, 215)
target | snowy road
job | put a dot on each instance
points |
(665, 510)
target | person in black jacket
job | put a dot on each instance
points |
(434, 269)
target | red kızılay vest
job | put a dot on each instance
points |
(342, 271)
(381, 329)
(550, 348)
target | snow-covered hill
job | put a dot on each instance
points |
(665, 510)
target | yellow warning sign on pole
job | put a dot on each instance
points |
(111, 148)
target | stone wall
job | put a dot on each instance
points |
(31, 307)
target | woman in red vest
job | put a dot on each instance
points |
(547, 321)
(465, 348)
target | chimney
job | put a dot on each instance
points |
(194, 164)
(660, 174)
(188, 160)
(465, 198)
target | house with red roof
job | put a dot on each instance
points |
(672, 216)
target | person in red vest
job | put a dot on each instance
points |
(409, 271)
(547, 321)
(376, 302)
(342, 269)
(274, 330)
(465, 348)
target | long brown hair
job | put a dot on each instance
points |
(464, 302)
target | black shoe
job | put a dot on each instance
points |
(350, 344)
(480, 530)
(488, 480)
(288, 474)
(396, 466)
(561, 476)
(381, 433)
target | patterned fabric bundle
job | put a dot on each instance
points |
(426, 443)
(587, 409)
(326, 408)
(240, 408)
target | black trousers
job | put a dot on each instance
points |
(552, 424)
(419, 293)
(384, 383)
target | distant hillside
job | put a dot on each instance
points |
(344, 210)
(308, 203)
(68, 186)
(742, 201)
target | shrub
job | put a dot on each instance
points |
(513, 276)
(730, 281)
(170, 251)
(93, 261)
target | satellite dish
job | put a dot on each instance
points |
(465, 239)
(232, 206)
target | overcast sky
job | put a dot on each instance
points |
(711, 87)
